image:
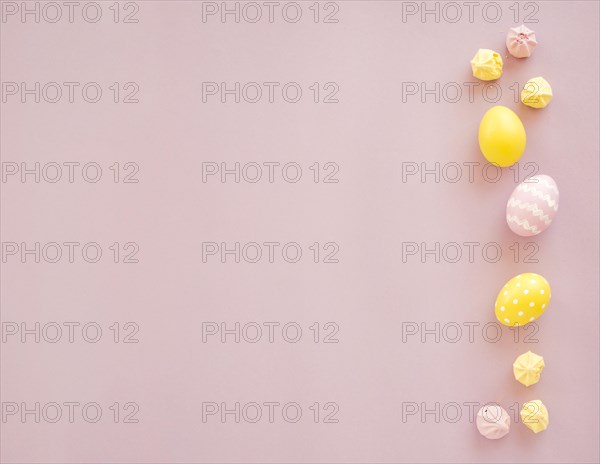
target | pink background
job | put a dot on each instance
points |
(369, 213)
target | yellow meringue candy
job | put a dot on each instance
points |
(528, 368)
(486, 65)
(534, 416)
(537, 93)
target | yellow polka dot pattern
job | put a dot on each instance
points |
(522, 300)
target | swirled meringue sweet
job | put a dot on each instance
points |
(520, 41)
(486, 65)
(534, 416)
(527, 368)
(493, 421)
(536, 93)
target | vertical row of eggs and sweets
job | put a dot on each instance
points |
(530, 210)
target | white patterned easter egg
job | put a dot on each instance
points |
(532, 206)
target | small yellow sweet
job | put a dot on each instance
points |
(534, 416)
(537, 93)
(528, 367)
(486, 65)
(523, 299)
(501, 136)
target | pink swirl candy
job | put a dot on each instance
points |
(520, 41)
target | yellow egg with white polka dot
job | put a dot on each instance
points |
(523, 299)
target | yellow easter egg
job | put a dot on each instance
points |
(523, 299)
(501, 136)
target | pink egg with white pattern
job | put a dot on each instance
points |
(532, 206)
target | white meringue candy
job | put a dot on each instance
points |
(493, 422)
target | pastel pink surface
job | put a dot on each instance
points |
(370, 293)
(532, 206)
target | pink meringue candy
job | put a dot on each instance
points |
(493, 422)
(520, 41)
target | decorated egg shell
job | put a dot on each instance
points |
(532, 206)
(502, 136)
(522, 300)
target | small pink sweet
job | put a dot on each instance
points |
(493, 422)
(520, 41)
